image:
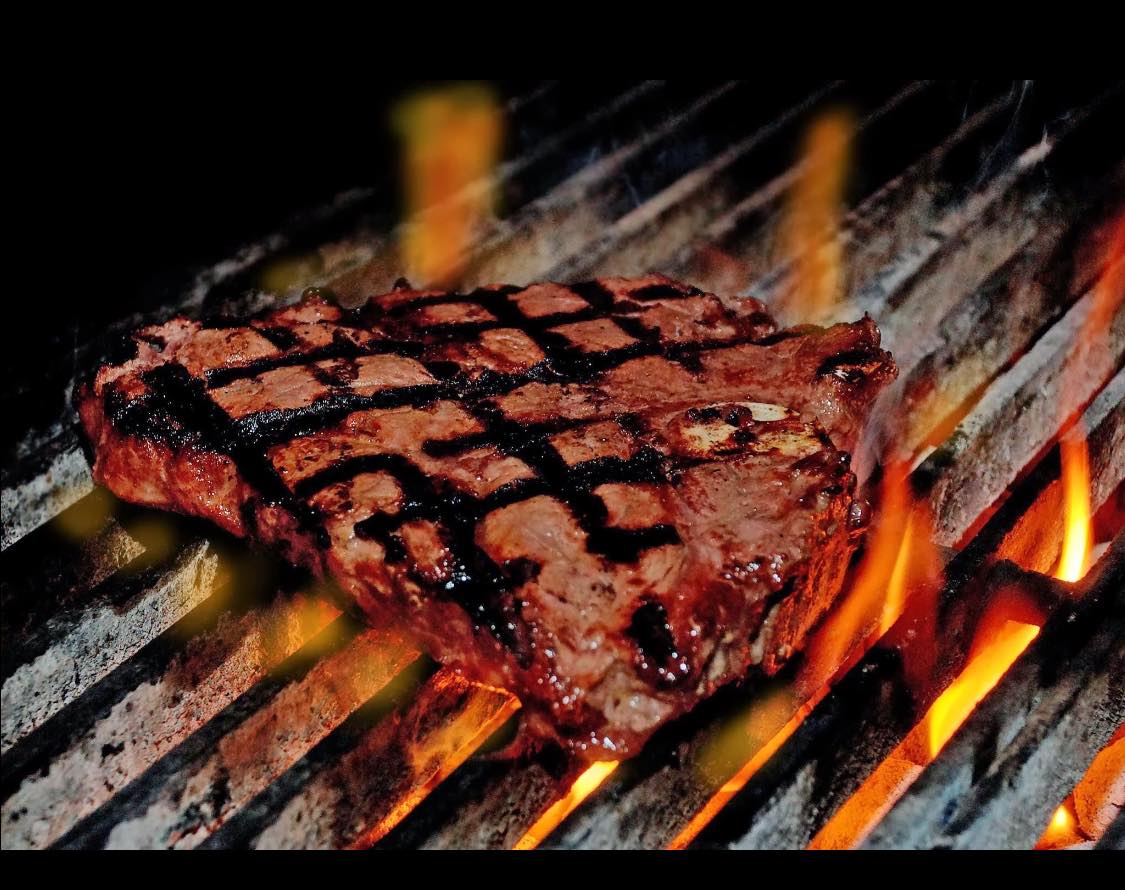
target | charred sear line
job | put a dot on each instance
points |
(851, 366)
(472, 579)
(179, 410)
(340, 348)
(657, 655)
(574, 485)
(595, 293)
(180, 402)
(272, 427)
(373, 313)
(664, 292)
(275, 426)
(281, 337)
(627, 544)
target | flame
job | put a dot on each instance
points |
(1009, 623)
(900, 558)
(1092, 336)
(1062, 830)
(451, 141)
(975, 682)
(900, 561)
(1011, 620)
(1076, 499)
(583, 787)
(813, 214)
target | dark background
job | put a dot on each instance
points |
(130, 182)
(141, 185)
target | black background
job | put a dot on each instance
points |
(133, 177)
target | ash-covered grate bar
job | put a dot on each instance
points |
(115, 625)
(197, 787)
(1001, 776)
(97, 747)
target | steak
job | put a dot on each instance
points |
(610, 498)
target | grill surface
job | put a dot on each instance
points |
(163, 687)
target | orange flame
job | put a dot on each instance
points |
(899, 559)
(1062, 830)
(736, 782)
(451, 141)
(813, 214)
(1075, 458)
(583, 787)
(1076, 499)
(1010, 622)
(975, 682)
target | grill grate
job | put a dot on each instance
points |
(162, 687)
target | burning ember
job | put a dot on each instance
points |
(1096, 801)
(1061, 830)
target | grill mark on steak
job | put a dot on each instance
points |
(473, 580)
(184, 399)
(339, 349)
(280, 425)
(664, 292)
(510, 593)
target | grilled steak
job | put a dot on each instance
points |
(610, 498)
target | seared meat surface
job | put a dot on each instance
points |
(610, 497)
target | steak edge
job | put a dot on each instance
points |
(610, 498)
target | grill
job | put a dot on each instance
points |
(165, 687)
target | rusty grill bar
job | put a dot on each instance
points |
(162, 687)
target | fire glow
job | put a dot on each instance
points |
(585, 785)
(451, 141)
(1073, 451)
(984, 670)
(1007, 627)
(813, 214)
(1076, 498)
(899, 559)
(1062, 830)
(901, 562)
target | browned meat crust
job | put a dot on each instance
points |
(610, 497)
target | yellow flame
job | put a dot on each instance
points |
(1076, 500)
(982, 673)
(901, 560)
(813, 215)
(1061, 830)
(1009, 623)
(451, 141)
(583, 787)
(900, 557)
(1093, 338)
